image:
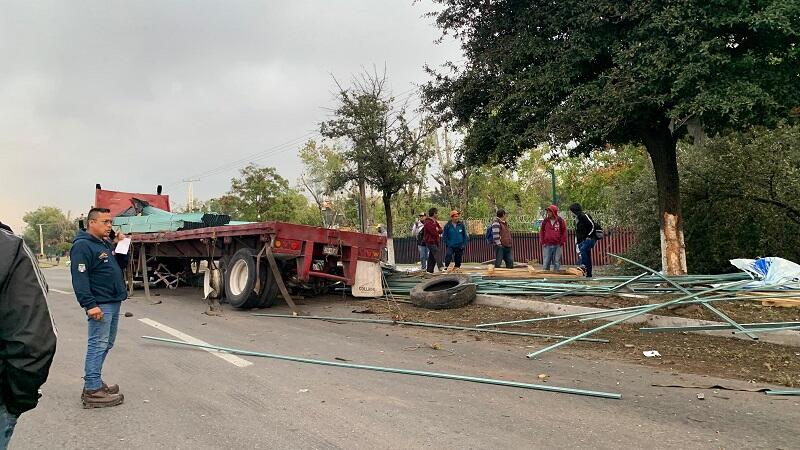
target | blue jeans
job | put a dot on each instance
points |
(551, 257)
(454, 254)
(7, 423)
(102, 334)
(585, 248)
(503, 254)
(423, 256)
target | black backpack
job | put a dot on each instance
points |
(421, 236)
(597, 229)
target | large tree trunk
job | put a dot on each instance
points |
(661, 146)
(387, 208)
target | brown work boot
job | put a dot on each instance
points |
(111, 389)
(100, 399)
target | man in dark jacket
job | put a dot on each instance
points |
(501, 234)
(553, 236)
(99, 285)
(455, 238)
(585, 237)
(432, 233)
(27, 334)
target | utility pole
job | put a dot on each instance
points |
(41, 240)
(553, 184)
(190, 193)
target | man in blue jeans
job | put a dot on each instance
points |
(99, 285)
(585, 237)
(27, 333)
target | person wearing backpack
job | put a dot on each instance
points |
(455, 239)
(553, 236)
(418, 234)
(587, 233)
(432, 235)
(501, 238)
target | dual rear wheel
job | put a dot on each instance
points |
(240, 281)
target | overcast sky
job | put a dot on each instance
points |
(131, 94)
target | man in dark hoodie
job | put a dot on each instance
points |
(27, 334)
(99, 285)
(585, 237)
(553, 235)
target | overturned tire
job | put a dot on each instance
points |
(444, 292)
(240, 278)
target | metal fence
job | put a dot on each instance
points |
(526, 247)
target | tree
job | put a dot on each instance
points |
(593, 73)
(385, 152)
(260, 194)
(321, 162)
(56, 228)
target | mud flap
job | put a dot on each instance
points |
(368, 282)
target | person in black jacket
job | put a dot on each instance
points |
(99, 285)
(27, 334)
(585, 237)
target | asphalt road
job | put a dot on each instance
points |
(183, 398)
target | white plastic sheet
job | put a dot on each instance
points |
(770, 271)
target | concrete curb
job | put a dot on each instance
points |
(788, 337)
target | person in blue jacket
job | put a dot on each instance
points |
(455, 239)
(99, 285)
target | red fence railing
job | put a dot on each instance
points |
(526, 247)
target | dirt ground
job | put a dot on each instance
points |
(681, 352)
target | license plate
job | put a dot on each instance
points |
(330, 250)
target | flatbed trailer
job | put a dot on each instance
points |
(308, 258)
(252, 264)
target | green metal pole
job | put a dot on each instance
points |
(783, 392)
(553, 184)
(711, 308)
(609, 324)
(765, 325)
(426, 325)
(421, 373)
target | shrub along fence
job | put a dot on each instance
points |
(526, 247)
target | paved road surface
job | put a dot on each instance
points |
(180, 398)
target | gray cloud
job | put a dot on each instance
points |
(131, 94)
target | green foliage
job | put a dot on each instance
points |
(260, 194)
(385, 151)
(610, 71)
(740, 200)
(57, 230)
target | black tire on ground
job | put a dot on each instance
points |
(269, 287)
(240, 277)
(444, 292)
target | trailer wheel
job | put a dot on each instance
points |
(444, 292)
(240, 277)
(269, 286)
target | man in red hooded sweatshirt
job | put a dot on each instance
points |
(553, 235)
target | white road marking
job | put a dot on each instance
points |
(62, 292)
(233, 359)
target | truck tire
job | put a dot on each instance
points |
(269, 287)
(444, 292)
(240, 277)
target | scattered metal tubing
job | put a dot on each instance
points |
(426, 325)
(767, 330)
(612, 323)
(632, 280)
(716, 327)
(711, 308)
(421, 373)
(783, 392)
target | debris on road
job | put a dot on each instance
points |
(651, 354)
(447, 376)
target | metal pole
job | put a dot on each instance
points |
(604, 326)
(425, 325)
(421, 373)
(711, 308)
(41, 241)
(553, 184)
